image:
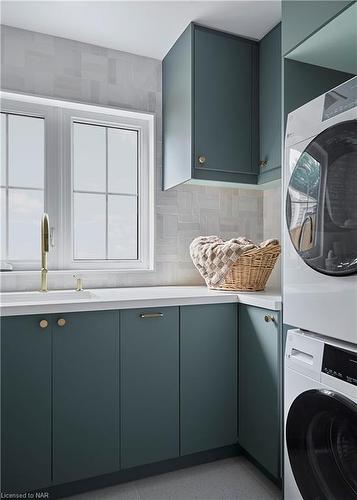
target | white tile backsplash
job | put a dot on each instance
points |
(272, 227)
(45, 65)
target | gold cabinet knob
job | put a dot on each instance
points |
(263, 163)
(201, 160)
(268, 318)
(61, 322)
(43, 323)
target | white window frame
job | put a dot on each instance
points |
(51, 175)
(59, 118)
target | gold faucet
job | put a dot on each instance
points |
(45, 248)
(79, 283)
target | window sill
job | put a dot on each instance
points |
(70, 272)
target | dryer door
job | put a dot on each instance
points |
(321, 204)
(321, 439)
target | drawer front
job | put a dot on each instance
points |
(149, 385)
(208, 377)
(259, 421)
(25, 403)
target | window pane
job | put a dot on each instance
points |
(89, 157)
(122, 161)
(26, 151)
(25, 211)
(3, 150)
(89, 226)
(3, 224)
(122, 227)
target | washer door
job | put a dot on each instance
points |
(321, 438)
(321, 204)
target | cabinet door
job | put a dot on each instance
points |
(149, 385)
(225, 118)
(270, 105)
(208, 377)
(25, 404)
(259, 423)
(85, 395)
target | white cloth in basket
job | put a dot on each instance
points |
(214, 257)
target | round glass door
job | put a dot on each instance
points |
(321, 204)
(321, 438)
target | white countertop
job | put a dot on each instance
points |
(20, 303)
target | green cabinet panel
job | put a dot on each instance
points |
(259, 386)
(304, 82)
(25, 404)
(224, 91)
(177, 111)
(301, 19)
(210, 108)
(149, 368)
(85, 395)
(270, 100)
(208, 357)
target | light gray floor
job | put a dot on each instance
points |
(229, 479)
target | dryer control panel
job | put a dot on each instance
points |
(340, 99)
(340, 363)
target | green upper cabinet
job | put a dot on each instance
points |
(210, 108)
(25, 403)
(149, 366)
(208, 360)
(85, 395)
(225, 114)
(302, 19)
(270, 100)
(260, 352)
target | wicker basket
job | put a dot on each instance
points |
(252, 270)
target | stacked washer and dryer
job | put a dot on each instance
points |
(320, 298)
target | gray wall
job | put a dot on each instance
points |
(49, 66)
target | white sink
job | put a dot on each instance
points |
(42, 297)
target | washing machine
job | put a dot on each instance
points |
(320, 417)
(320, 226)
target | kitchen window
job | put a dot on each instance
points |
(22, 185)
(91, 169)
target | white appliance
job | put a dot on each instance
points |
(320, 418)
(320, 226)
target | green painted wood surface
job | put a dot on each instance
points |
(259, 376)
(85, 395)
(149, 386)
(301, 19)
(303, 82)
(208, 376)
(210, 108)
(270, 101)
(25, 404)
(177, 111)
(223, 100)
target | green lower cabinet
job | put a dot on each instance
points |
(149, 375)
(259, 376)
(208, 356)
(25, 404)
(85, 395)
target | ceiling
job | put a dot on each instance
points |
(141, 27)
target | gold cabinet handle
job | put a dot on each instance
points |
(43, 323)
(268, 318)
(201, 160)
(151, 315)
(263, 163)
(61, 322)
